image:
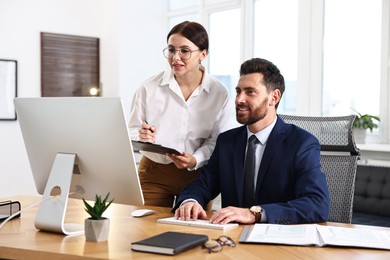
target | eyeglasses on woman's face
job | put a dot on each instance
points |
(216, 245)
(184, 53)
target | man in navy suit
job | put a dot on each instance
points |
(289, 187)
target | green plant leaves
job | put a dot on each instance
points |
(99, 207)
(366, 121)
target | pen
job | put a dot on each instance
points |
(150, 129)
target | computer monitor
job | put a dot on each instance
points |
(75, 142)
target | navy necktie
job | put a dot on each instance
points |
(249, 172)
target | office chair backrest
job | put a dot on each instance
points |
(339, 156)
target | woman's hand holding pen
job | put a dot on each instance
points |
(147, 133)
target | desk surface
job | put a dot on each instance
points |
(20, 240)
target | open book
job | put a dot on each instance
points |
(316, 235)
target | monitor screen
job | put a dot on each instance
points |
(93, 129)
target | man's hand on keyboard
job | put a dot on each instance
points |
(232, 214)
(190, 210)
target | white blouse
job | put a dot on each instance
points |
(191, 126)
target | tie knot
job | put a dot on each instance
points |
(253, 139)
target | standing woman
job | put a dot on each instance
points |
(184, 108)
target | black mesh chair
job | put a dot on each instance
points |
(339, 156)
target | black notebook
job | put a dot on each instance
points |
(169, 243)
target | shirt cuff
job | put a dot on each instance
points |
(263, 217)
(187, 200)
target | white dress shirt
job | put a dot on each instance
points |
(262, 136)
(191, 126)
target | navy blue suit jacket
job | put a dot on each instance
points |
(290, 187)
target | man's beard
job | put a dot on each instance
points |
(259, 113)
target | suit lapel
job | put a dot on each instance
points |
(275, 138)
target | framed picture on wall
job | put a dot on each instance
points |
(8, 88)
(69, 65)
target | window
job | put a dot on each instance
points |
(352, 52)
(225, 47)
(276, 39)
(180, 4)
(352, 57)
(178, 19)
(333, 54)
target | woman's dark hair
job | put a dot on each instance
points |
(194, 32)
(272, 77)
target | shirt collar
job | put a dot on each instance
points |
(169, 79)
(263, 135)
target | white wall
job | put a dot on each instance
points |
(143, 37)
(132, 35)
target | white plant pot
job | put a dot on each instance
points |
(360, 135)
(96, 230)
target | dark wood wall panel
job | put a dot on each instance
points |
(69, 65)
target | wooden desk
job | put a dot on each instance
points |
(20, 240)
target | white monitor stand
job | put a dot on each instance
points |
(51, 213)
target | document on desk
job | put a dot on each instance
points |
(316, 235)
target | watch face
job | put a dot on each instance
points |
(255, 209)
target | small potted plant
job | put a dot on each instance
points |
(362, 123)
(97, 227)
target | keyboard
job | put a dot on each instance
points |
(198, 223)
